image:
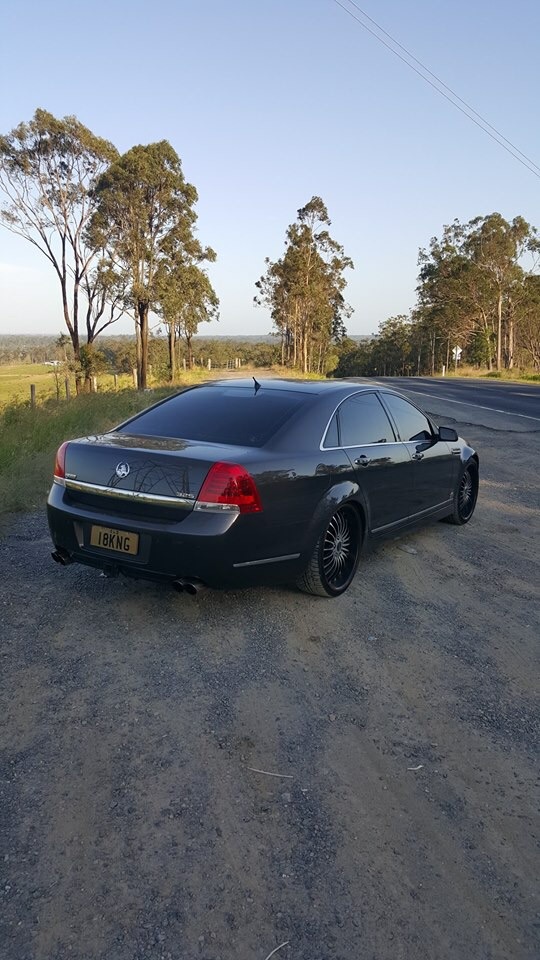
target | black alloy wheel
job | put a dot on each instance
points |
(334, 560)
(465, 496)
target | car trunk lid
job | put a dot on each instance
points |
(138, 474)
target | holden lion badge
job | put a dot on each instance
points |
(122, 470)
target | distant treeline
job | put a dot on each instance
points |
(478, 303)
(119, 354)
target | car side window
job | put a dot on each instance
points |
(363, 420)
(412, 425)
(331, 438)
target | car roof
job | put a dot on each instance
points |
(297, 386)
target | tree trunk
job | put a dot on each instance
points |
(74, 335)
(499, 330)
(189, 352)
(510, 362)
(77, 361)
(172, 353)
(487, 341)
(142, 370)
(138, 347)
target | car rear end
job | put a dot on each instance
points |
(167, 507)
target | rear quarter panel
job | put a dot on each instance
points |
(292, 491)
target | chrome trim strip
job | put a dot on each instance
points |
(138, 495)
(208, 507)
(356, 446)
(255, 563)
(413, 516)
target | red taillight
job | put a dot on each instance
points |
(229, 483)
(60, 463)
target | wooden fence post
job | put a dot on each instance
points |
(68, 388)
(94, 384)
(33, 396)
(134, 371)
(115, 378)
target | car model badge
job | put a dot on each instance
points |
(122, 470)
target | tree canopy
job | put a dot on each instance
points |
(304, 290)
(144, 217)
(186, 299)
(47, 169)
(478, 301)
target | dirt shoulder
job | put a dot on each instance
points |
(401, 718)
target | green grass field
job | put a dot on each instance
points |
(15, 380)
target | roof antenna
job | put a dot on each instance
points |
(257, 384)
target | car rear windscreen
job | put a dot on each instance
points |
(230, 415)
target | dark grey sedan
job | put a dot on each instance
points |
(235, 483)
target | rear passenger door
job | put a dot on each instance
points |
(381, 462)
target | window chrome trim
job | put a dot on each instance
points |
(352, 446)
(137, 495)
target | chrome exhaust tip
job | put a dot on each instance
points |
(61, 556)
(187, 585)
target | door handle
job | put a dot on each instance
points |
(363, 461)
(418, 456)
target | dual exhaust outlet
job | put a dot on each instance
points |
(181, 584)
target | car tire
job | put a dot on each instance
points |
(335, 557)
(465, 495)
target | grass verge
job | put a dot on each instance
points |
(516, 376)
(29, 439)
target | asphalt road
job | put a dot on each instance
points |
(518, 399)
(397, 817)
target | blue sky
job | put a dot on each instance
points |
(267, 104)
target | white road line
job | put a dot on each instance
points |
(477, 406)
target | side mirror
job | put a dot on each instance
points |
(448, 434)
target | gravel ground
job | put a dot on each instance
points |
(402, 719)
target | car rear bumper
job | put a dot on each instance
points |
(219, 549)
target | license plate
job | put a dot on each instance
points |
(118, 540)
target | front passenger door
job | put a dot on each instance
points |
(435, 465)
